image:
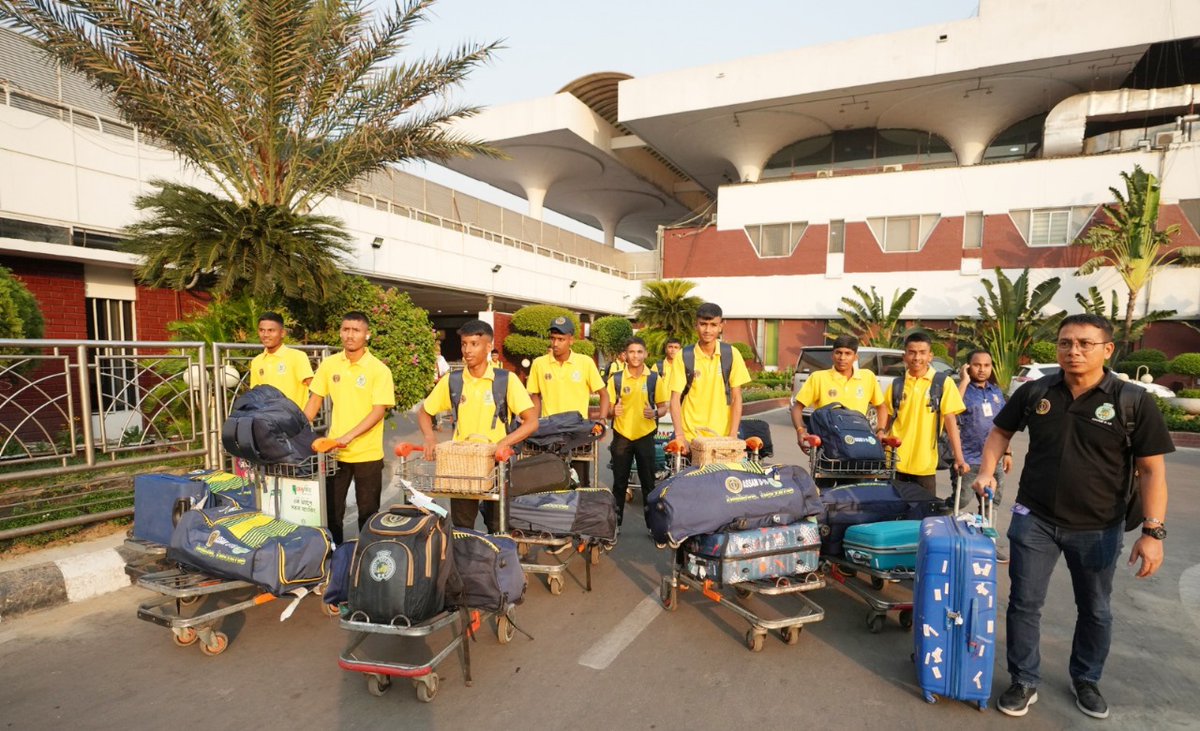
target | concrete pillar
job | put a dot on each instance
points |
(536, 195)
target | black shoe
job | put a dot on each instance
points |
(1001, 555)
(1017, 699)
(1089, 700)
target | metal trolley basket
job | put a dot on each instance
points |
(187, 602)
(875, 587)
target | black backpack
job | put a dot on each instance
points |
(1128, 399)
(651, 387)
(689, 369)
(266, 427)
(401, 567)
(499, 396)
(944, 450)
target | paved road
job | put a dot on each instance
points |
(611, 659)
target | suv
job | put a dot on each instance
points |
(885, 363)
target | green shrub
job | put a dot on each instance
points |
(20, 315)
(610, 334)
(517, 346)
(746, 351)
(584, 347)
(1130, 368)
(940, 350)
(1147, 355)
(1043, 352)
(1189, 393)
(764, 394)
(1187, 364)
(773, 379)
(536, 319)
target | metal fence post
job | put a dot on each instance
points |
(85, 397)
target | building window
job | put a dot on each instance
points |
(771, 343)
(902, 233)
(113, 373)
(860, 148)
(837, 237)
(776, 239)
(1051, 226)
(1022, 141)
(973, 230)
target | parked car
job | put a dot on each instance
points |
(886, 363)
(1031, 372)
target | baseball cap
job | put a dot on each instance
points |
(562, 325)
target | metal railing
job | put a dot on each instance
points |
(77, 415)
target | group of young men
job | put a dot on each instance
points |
(1088, 438)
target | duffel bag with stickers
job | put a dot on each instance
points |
(243, 544)
(585, 512)
(402, 567)
(737, 495)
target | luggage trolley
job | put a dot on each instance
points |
(362, 656)
(181, 588)
(560, 549)
(865, 582)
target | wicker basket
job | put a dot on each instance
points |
(465, 467)
(706, 450)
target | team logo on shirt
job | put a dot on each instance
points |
(860, 392)
(1105, 412)
(261, 371)
(548, 376)
(1043, 407)
(361, 381)
(832, 392)
(337, 377)
(576, 376)
(462, 399)
(281, 368)
(626, 391)
(487, 398)
(733, 485)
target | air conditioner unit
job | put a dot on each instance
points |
(1163, 140)
(824, 173)
(892, 168)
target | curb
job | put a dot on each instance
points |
(65, 581)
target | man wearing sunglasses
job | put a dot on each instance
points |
(1085, 435)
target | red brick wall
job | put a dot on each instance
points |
(501, 327)
(156, 308)
(59, 289)
(707, 252)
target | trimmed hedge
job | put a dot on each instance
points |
(536, 319)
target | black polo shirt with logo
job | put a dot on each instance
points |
(1076, 473)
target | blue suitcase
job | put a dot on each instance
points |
(160, 500)
(887, 546)
(954, 611)
(759, 553)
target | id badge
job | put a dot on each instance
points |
(987, 409)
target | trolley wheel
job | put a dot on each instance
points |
(848, 573)
(330, 610)
(595, 553)
(754, 640)
(427, 688)
(629, 494)
(505, 630)
(982, 705)
(874, 623)
(220, 641)
(791, 635)
(188, 601)
(906, 618)
(522, 549)
(555, 585)
(930, 698)
(378, 684)
(877, 583)
(741, 593)
(185, 637)
(669, 596)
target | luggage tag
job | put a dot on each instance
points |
(423, 501)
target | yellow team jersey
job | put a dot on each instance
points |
(704, 408)
(477, 406)
(565, 386)
(859, 391)
(355, 389)
(632, 424)
(915, 423)
(286, 369)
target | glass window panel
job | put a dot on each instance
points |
(854, 145)
(837, 237)
(973, 231)
(901, 233)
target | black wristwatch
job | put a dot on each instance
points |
(1158, 532)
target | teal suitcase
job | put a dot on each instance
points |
(887, 546)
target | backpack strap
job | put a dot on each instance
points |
(689, 369)
(617, 383)
(688, 354)
(936, 387)
(727, 370)
(500, 395)
(1035, 392)
(456, 389)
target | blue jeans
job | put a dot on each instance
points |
(1035, 545)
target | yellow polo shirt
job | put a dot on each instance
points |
(631, 424)
(915, 423)
(859, 391)
(564, 386)
(355, 389)
(705, 407)
(286, 369)
(477, 408)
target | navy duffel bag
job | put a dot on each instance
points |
(871, 502)
(737, 495)
(586, 512)
(489, 571)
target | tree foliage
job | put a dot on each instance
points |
(536, 319)
(1043, 351)
(746, 351)
(20, 313)
(225, 320)
(1125, 333)
(871, 320)
(610, 334)
(401, 335)
(667, 306)
(1131, 242)
(1010, 321)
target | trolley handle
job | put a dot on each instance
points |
(322, 445)
(812, 441)
(892, 441)
(404, 449)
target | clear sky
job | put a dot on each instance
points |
(549, 43)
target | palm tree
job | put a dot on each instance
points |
(278, 104)
(1132, 243)
(1011, 321)
(872, 321)
(1094, 304)
(666, 306)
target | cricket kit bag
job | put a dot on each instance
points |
(338, 589)
(489, 571)
(871, 502)
(954, 611)
(243, 544)
(402, 566)
(585, 512)
(845, 434)
(266, 427)
(733, 557)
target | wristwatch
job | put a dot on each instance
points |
(1159, 532)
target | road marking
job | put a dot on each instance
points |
(600, 655)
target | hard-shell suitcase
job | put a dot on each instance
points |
(538, 473)
(160, 500)
(954, 611)
(871, 502)
(759, 553)
(887, 546)
(586, 512)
